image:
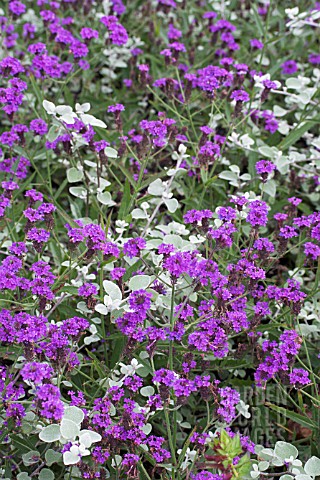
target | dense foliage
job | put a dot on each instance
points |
(160, 239)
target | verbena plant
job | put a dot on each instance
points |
(160, 240)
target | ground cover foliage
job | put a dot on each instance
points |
(160, 239)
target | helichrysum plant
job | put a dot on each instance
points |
(159, 240)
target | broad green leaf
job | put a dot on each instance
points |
(139, 282)
(147, 391)
(105, 199)
(79, 192)
(312, 467)
(295, 135)
(296, 417)
(74, 175)
(51, 433)
(69, 429)
(73, 413)
(112, 290)
(31, 457)
(270, 187)
(52, 456)
(156, 188)
(285, 450)
(111, 152)
(46, 474)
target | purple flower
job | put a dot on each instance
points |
(48, 399)
(36, 372)
(312, 250)
(88, 33)
(269, 84)
(261, 309)
(116, 108)
(314, 59)
(117, 273)
(166, 248)
(140, 301)
(17, 8)
(118, 34)
(18, 248)
(263, 244)
(294, 201)
(34, 196)
(289, 67)
(227, 214)
(74, 326)
(39, 126)
(299, 377)
(197, 216)
(258, 213)
(38, 235)
(10, 186)
(255, 43)
(10, 66)
(33, 215)
(265, 166)
(240, 96)
(132, 247)
(229, 398)
(87, 290)
(288, 232)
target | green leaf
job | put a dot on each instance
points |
(147, 391)
(295, 135)
(23, 476)
(139, 282)
(296, 417)
(79, 192)
(51, 433)
(74, 175)
(53, 133)
(285, 450)
(312, 467)
(23, 444)
(112, 290)
(258, 21)
(126, 200)
(73, 413)
(31, 457)
(270, 187)
(156, 188)
(69, 429)
(105, 199)
(46, 474)
(52, 456)
(132, 269)
(111, 152)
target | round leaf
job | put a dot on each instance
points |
(73, 413)
(46, 474)
(111, 152)
(147, 391)
(312, 467)
(31, 457)
(112, 290)
(49, 434)
(69, 429)
(70, 458)
(285, 450)
(74, 175)
(156, 188)
(105, 198)
(52, 456)
(139, 282)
